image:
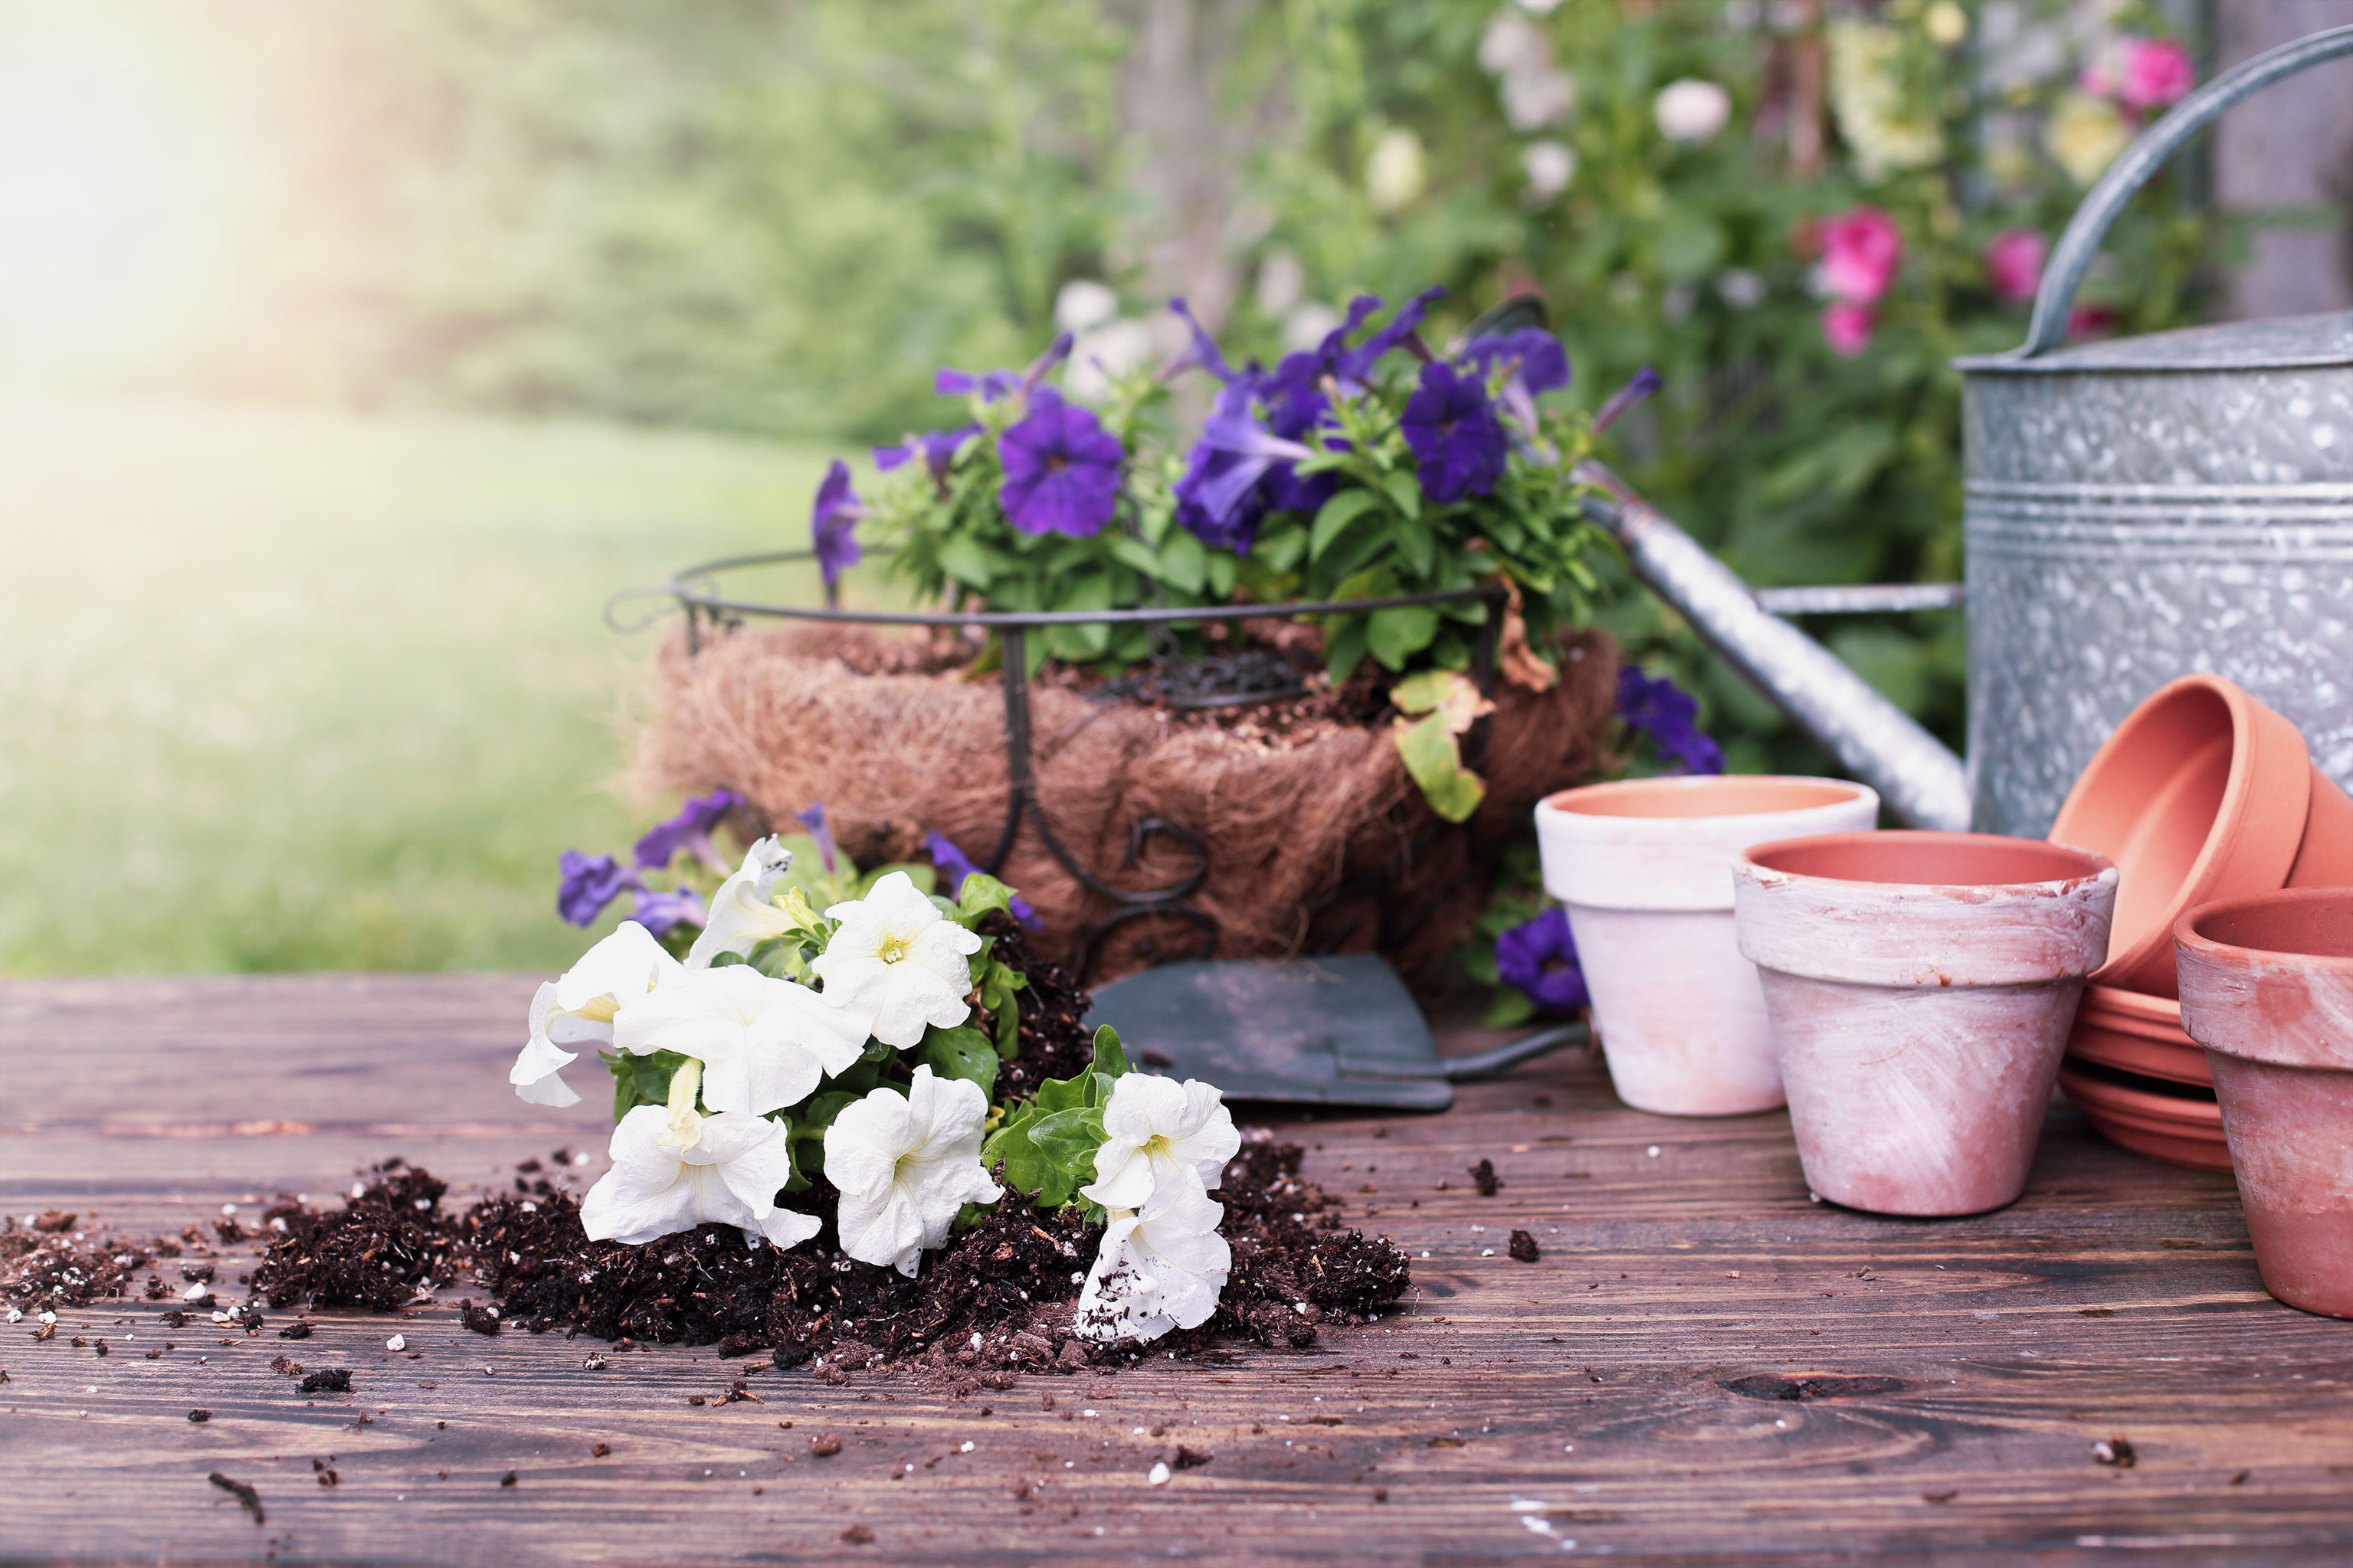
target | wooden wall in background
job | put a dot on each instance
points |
(2287, 156)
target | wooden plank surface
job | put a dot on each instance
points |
(1618, 1394)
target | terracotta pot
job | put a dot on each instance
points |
(2267, 988)
(2325, 857)
(1920, 987)
(1645, 868)
(2177, 1123)
(2201, 793)
(2136, 1033)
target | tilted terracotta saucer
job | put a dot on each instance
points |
(2168, 1121)
(2136, 1033)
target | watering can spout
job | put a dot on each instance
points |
(1923, 782)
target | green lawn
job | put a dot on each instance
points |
(290, 690)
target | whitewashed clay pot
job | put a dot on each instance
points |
(1921, 986)
(2267, 988)
(1645, 868)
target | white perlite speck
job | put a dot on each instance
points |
(398, 1342)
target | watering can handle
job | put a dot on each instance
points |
(2081, 243)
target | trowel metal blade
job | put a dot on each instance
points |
(1320, 1031)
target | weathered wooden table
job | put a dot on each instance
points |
(1704, 1365)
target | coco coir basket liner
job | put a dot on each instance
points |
(1300, 822)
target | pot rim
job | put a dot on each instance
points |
(2134, 1006)
(2090, 866)
(2194, 1112)
(2188, 936)
(1802, 793)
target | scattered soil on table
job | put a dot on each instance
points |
(48, 1265)
(249, 1500)
(1484, 1177)
(374, 1252)
(1523, 1247)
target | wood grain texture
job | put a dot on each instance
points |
(1939, 1385)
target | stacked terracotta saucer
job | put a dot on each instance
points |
(2201, 793)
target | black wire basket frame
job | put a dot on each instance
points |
(707, 610)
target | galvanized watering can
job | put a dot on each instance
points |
(2136, 511)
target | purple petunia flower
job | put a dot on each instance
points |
(691, 830)
(1401, 333)
(1061, 469)
(991, 384)
(589, 883)
(1539, 957)
(1224, 490)
(1534, 362)
(814, 820)
(1201, 353)
(833, 522)
(955, 866)
(938, 448)
(1451, 425)
(1646, 380)
(658, 912)
(1668, 715)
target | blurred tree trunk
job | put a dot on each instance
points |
(1187, 147)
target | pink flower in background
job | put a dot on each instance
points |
(2013, 263)
(1848, 327)
(1861, 250)
(2154, 72)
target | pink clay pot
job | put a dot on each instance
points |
(2267, 988)
(1645, 868)
(2201, 793)
(1920, 987)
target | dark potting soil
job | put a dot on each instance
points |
(374, 1252)
(1053, 1041)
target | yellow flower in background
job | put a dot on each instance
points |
(1886, 130)
(1946, 23)
(2084, 135)
(1393, 173)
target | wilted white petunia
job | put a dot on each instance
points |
(764, 1043)
(728, 1174)
(1690, 110)
(897, 961)
(1157, 1130)
(742, 911)
(1160, 1267)
(905, 1165)
(579, 1008)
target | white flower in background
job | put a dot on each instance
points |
(764, 1043)
(2084, 135)
(1393, 173)
(1511, 44)
(1084, 304)
(1156, 1133)
(1101, 357)
(1741, 288)
(1540, 7)
(1947, 24)
(1886, 127)
(728, 1174)
(905, 1165)
(1282, 283)
(744, 913)
(1533, 100)
(1691, 110)
(578, 1009)
(1159, 1267)
(898, 961)
(1308, 323)
(1550, 166)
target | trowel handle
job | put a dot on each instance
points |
(2081, 243)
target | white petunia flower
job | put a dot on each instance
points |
(728, 1174)
(1160, 1267)
(764, 1043)
(897, 961)
(744, 913)
(1394, 173)
(1157, 1130)
(1549, 166)
(1691, 110)
(905, 1165)
(1535, 99)
(579, 1008)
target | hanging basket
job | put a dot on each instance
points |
(1224, 808)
